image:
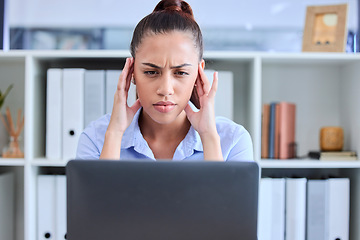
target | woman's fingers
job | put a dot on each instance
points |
(199, 87)
(204, 80)
(124, 76)
(129, 74)
(214, 85)
(136, 106)
(203, 84)
(121, 83)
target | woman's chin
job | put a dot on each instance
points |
(165, 117)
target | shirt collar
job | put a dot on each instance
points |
(133, 138)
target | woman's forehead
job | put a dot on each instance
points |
(175, 45)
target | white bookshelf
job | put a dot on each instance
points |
(324, 87)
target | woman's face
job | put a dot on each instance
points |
(165, 71)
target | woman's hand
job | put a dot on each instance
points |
(203, 121)
(121, 116)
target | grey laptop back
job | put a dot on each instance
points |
(138, 200)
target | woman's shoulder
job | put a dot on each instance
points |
(227, 126)
(235, 140)
(97, 127)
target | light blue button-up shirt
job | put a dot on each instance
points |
(235, 141)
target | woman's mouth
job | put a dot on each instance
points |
(164, 107)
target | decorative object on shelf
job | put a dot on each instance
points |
(3, 95)
(331, 138)
(325, 28)
(13, 149)
(4, 137)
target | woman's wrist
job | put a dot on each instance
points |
(211, 146)
(112, 145)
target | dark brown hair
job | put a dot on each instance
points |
(168, 15)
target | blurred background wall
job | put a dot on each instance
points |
(258, 25)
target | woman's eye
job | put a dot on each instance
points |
(151, 73)
(181, 73)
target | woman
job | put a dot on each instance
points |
(168, 71)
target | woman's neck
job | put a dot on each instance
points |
(175, 131)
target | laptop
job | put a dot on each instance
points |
(138, 200)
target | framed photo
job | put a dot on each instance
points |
(325, 28)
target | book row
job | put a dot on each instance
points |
(299, 209)
(77, 96)
(278, 130)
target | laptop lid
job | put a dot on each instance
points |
(161, 200)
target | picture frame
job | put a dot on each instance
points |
(325, 28)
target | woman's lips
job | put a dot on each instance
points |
(164, 107)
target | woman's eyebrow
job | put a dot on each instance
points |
(151, 65)
(182, 65)
(155, 66)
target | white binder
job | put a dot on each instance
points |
(73, 110)
(328, 209)
(60, 207)
(295, 209)
(278, 209)
(94, 87)
(339, 207)
(7, 207)
(316, 210)
(271, 222)
(46, 207)
(54, 114)
(264, 210)
(224, 98)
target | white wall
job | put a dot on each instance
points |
(120, 13)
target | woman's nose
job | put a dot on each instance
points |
(166, 87)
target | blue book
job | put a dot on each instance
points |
(272, 130)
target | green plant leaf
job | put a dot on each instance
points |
(3, 96)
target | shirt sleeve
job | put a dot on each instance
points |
(86, 148)
(242, 149)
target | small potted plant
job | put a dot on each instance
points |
(13, 149)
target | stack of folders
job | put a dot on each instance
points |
(7, 207)
(75, 97)
(278, 131)
(51, 207)
(299, 209)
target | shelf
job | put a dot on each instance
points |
(42, 162)
(307, 163)
(324, 87)
(12, 162)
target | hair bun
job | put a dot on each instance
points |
(174, 6)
